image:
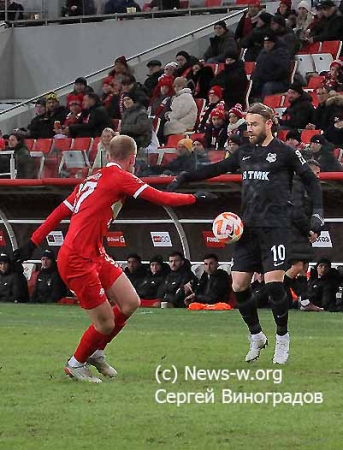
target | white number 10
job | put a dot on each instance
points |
(279, 253)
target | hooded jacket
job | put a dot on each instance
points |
(233, 79)
(135, 123)
(299, 113)
(183, 113)
(219, 45)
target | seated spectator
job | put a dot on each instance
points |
(285, 34)
(113, 107)
(161, 98)
(13, 284)
(334, 78)
(329, 106)
(121, 6)
(55, 111)
(40, 125)
(215, 96)
(285, 8)
(120, 69)
(300, 112)
(24, 163)
(80, 89)
(334, 133)
(133, 87)
(184, 62)
(253, 41)
(222, 42)
(107, 92)
(293, 139)
(200, 79)
(233, 79)
(237, 124)
(149, 286)
(200, 153)
(271, 74)
(155, 72)
(304, 19)
(93, 119)
(216, 132)
(214, 285)
(104, 145)
(332, 29)
(318, 23)
(78, 8)
(245, 24)
(184, 111)
(322, 152)
(174, 290)
(323, 285)
(75, 108)
(135, 270)
(233, 143)
(170, 69)
(164, 4)
(49, 287)
(135, 122)
(184, 161)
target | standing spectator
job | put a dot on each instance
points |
(253, 41)
(49, 287)
(80, 89)
(216, 132)
(334, 133)
(214, 285)
(183, 114)
(13, 284)
(120, 69)
(271, 74)
(300, 111)
(155, 72)
(54, 110)
(245, 24)
(323, 285)
(24, 163)
(237, 124)
(322, 153)
(135, 122)
(135, 270)
(174, 290)
(184, 62)
(333, 25)
(215, 96)
(103, 146)
(285, 34)
(200, 79)
(222, 42)
(93, 120)
(40, 125)
(149, 286)
(304, 19)
(233, 79)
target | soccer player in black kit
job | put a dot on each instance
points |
(267, 166)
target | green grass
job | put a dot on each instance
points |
(41, 409)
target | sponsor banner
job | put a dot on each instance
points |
(115, 239)
(2, 239)
(211, 240)
(324, 240)
(55, 239)
(161, 239)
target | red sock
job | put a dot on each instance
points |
(119, 323)
(89, 342)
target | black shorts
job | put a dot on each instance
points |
(261, 250)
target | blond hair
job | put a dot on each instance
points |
(122, 147)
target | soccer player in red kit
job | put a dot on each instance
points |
(82, 262)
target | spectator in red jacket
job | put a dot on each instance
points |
(160, 101)
(216, 132)
(245, 24)
(170, 69)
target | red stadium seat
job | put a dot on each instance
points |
(196, 136)
(167, 158)
(315, 82)
(242, 2)
(338, 152)
(30, 144)
(213, 66)
(220, 68)
(43, 145)
(274, 101)
(307, 134)
(282, 135)
(333, 47)
(216, 155)
(153, 159)
(83, 143)
(310, 48)
(173, 140)
(314, 96)
(249, 68)
(213, 3)
(62, 144)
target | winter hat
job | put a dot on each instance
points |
(51, 96)
(81, 80)
(280, 20)
(318, 139)
(337, 63)
(288, 3)
(48, 254)
(327, 4)
(218, 112)
(254, 3)
(221, 23)
(236, 139)
(74, 99)
(270, 36)
(325, 261)
(304, 4)
(188, 143)
(202, 141)
(264, 16)
(121, 60)
(154, 62)
(166, 80)
(293, 134)
(184, 54)
(4, 258)
(232, 54)
(297, 87)
(172, 64)
(217, 91)
(41, 101)
(237, 110)
(108, 80)
(129, 95)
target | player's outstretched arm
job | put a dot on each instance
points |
(174, 199)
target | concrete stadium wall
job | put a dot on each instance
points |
(6, 58)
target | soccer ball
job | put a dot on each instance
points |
(228, 227)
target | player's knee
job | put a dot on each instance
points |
(130, 306)
(105, 325)
(238, 286)
(276, 292)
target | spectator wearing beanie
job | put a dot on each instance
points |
(154, 278)
(135, 122)
(170, 69)
(222, 42)
(40, 126)
(75, 108)
(216, 132)
(303, 20)
(233, 79)
(80, 89)
(245, 24)
(13, 284)
(215, 96)
(107, 92)
(285, 8)
(132, 86)
(185, 160)
(272, 67)
(155, 72)
(332, 29)
(200, 152)
(184, 63)
(120, 69)
(161, 98)
(322, 152)
(300, 112)
(293, 139)
(253, 42)
(334, 78)
(334, 133)
(237, 124)
(233, 143)
(54, 110)
(285, 34)
(200, 79)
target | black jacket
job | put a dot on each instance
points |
(41, 127)
(216, 138)
(49, 287)
(137, 276)
(214, 288)
(149, 286)
(171, 290)
(201, 81)
(332, 29)
(97, 119)
(234, 81)
(253, 42)
(290, 41)
(326, 112)
(13, 286)
(327, 160)
(179, 164)
(151, 82)
(334, 135)
(219, 45)
(205, 117)
(58, 114)
(299, 113)
(322, 291)
(140, 94)
(24, 162)
(272, 65)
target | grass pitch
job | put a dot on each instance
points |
(41, 409)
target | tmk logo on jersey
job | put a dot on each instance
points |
(255, 175)
(271, 157)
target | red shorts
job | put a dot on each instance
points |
(87, 279)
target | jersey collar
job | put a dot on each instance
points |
(110, 164)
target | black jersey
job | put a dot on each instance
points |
(267, 174)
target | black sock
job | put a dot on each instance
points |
(248, 309)
(279, 305)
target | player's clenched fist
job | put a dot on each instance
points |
(24, 252)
